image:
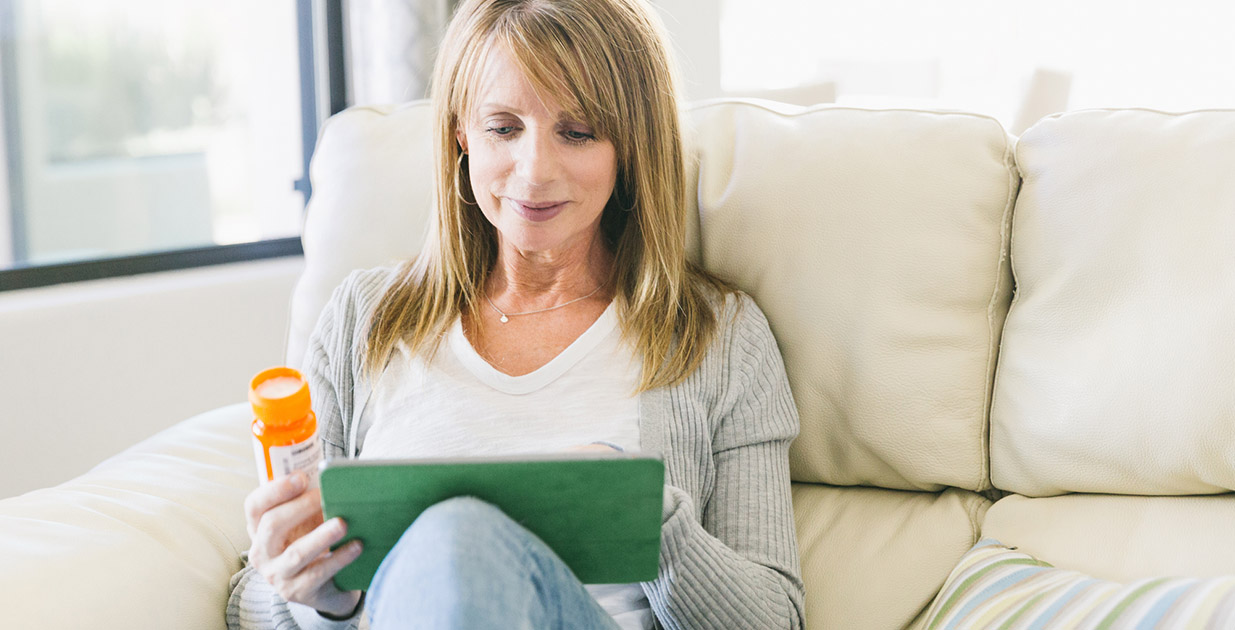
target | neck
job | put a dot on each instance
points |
(526, 280)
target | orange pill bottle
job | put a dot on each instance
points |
(284, 427)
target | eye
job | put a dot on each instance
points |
(578, 136)
(504, 130)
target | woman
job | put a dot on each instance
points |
(555, 273)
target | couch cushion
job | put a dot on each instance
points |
(1117, 373)
(1121, 538)
(875, 242)
(996, 586)
(372, 175)
(147, 539)
(874, 558)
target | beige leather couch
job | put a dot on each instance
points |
(963, 315)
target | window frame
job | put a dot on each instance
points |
(319, 27)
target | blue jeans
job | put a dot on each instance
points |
(465, 564)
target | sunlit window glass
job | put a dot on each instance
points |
(137, 126)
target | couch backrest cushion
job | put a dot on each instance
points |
(875, 243)
(873, 240)
(372, 176)
(1117, 373)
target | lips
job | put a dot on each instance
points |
(535, 210)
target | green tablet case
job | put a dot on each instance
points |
(601, 514)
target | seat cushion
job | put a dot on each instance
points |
(874, 558)
(1121, 538)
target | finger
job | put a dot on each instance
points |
(269, 495)
(285, 523)
(309, 547)
(325, 567)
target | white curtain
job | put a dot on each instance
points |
(391, 46)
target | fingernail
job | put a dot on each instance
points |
(355, 547)
(298, 481)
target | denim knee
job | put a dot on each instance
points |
(464, 563)
(460, 508)
(461, 519)
(444, 538)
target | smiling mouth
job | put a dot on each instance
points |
(537, 205)
(536, 210)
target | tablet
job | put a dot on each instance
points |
(600, 512)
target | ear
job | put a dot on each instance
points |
(462, 138)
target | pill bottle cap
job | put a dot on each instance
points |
(279, 396)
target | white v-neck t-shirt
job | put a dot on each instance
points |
(460, 405)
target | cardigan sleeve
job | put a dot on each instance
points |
(733, 562)
(329, 367)
(334, 358)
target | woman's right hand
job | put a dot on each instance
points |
(291, 545)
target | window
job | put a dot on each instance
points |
(1013, 61)
(155, 134)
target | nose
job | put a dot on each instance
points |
(538, 160)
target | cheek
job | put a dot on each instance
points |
(483, 169)
(600, 174)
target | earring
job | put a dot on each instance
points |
(633, 203)
(459, 182)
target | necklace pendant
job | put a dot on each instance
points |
(505, 319)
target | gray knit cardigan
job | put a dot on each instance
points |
(728, 555)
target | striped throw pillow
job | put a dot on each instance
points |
(995, 586)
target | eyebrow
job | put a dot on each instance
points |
(490, 108)
(487, 107)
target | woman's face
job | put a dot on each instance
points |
(540, 177)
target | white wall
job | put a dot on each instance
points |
(694, 29)
(88, 369)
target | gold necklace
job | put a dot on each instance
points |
(506, 316)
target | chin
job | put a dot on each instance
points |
(524, 242)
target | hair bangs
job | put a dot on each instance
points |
(544, 41)
(461, 100)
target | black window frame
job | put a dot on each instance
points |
(314, 19)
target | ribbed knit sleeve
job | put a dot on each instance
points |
(333, 361)
(330, 366)
(729, 556)
(254, 605)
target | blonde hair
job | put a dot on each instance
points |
(608, 63)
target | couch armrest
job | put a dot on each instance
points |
(147, 539)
